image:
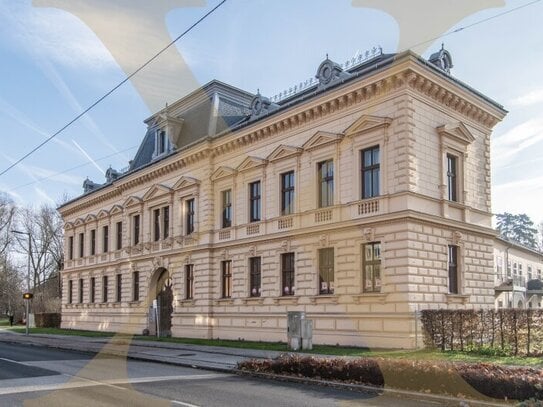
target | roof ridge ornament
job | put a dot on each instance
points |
(442, 59)
(329, 72)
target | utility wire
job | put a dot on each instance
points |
(179, 37)
(71, 169)
(484, 20)
(113, 89)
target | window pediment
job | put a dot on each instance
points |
(116, 209)
(284, 151)
(172, 126)
(223, 172)
(68, 226)
(185, 182)
(366, 123)
(79, 222)
(132, 201)
(102, 214)
(251, 162)
(156, 190)
(457, 132)
(90, 218)
(322, 138)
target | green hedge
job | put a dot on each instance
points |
(49, 320)
(496, 332)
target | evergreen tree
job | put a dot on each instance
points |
(518, 228)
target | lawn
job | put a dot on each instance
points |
(4, 322)
(423, 354)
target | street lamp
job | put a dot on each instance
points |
(27, 300)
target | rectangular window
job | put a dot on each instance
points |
(254, 201)
(529, 272)
(80, 298)
(539, 274)
(287, 193)
(136, 286)
(371, 267)
(70, 291)
(287, 274)
(189, 281)
(93, 242)
(136, 229)
(227, 208)
(451, 177)
(508, 268)
(453, 270)
(105, 239)
(226, 274)
(156, 225)
(119, 231)
(371, 167)
(165, 222)
(119, 287)
(189, 216)
(81, 244)
(71, 248)
(326, 183)
(520, 269)
(515, 266)
(104, 288)
(326, 271)
(161, 142)
(499, 265)
(255, 276)
(92, 289)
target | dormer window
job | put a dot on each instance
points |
(161, 142)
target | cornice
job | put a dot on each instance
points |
(407, 73)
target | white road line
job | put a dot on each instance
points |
(12, 361)
(84, 382)
(182, 403)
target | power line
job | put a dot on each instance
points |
(70, 169)
(484, 20)
(113, 89)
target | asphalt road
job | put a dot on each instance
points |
(38, 376)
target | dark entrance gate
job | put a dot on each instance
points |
(165, 308)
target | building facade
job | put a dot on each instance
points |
(360, 198)
(518, 275)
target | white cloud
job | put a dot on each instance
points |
(55, 35)
(516, 140)
(529, 99)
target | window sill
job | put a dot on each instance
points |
(224, 301)
(253, 300)
(324, 299)
(134, 303)
(372, 297)
(187, 302)
(287, 299)
(457, 298)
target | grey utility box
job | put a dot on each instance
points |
(299, 331)
(307, 334)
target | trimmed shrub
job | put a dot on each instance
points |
(508, 331)
(49, 320)
(475, 380)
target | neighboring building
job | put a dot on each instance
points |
(359, 198)
(518, 275)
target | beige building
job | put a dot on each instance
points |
(518, 275)
(359, 197)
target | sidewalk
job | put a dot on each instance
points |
(204, 357)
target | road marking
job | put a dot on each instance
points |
(182, 403)
(84, 382)
(12, 361)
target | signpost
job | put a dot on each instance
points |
(27, 297)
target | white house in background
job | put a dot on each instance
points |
(518, 275)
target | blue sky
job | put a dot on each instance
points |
(54, 65)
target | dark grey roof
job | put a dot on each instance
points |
(234, 109)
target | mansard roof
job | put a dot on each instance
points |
(218, 109)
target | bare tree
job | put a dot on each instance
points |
(7, 217)
(10, 290)
(44, 228)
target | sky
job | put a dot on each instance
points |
(56, 61)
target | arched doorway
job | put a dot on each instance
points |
(164, 298)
